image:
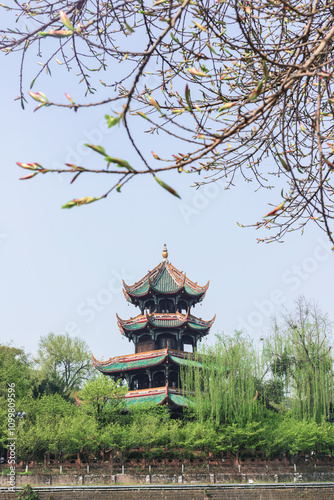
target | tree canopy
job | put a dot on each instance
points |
(243, 401)
(65, 361)
(14, 368)
(103, 398)
(233, 84)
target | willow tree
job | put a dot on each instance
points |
(231, 83)
(222, 383)
(300, 354)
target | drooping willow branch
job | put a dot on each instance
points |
(234, 84)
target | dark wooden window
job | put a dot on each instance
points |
(166, 306)
(145, 343)
(159, 379)
(163, 340)
(140, 381)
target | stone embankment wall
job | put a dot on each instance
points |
(218, 478)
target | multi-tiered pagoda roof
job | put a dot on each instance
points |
(128, 362)
(163, 320)
(164, 279)
(163, 334)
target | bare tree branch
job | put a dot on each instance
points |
(258, 74)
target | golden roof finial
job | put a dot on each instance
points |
(165, 252)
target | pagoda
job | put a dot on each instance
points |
(165, 335)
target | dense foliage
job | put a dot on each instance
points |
(291, 375)
(244, 400)
(64, 360)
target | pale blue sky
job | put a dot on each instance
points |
(61, 269)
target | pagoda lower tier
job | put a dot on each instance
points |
(174, 398)
(148, 370)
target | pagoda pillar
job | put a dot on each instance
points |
(149, 374)
(131, 377)
(127, 379)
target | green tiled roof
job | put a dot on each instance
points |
(142, 290)
(196, 326)
(135, 326)
(191, 291)
(164, 320)
(164, 279)
(152, 399)
(165, 323)
(185, 361)
(156, 399)
(130, 365)
(179, 400)
(164, 283)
